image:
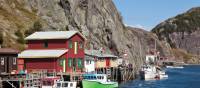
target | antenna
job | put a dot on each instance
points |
(155, 44)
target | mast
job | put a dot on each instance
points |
(155, 44)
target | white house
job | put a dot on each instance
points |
(89, 64)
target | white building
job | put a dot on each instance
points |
(89, 64)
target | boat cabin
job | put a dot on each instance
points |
(65, 84)
(8, 63)
(53, 51)
(151, 59)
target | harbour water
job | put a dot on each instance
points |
(188, 77)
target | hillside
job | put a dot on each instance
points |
(182, 33)
(98, 20)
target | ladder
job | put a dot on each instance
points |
(108, 72)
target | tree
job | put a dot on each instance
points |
(37, 26)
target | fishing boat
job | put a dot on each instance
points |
(65, 84)
(152, 72)
(148, 72)
(56, 82)
(49, 82)
(97, 81)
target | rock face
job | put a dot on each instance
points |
(182, 31)
(98, 20)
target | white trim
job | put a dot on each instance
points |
(52, 53)
(2, 60)
(14, 60)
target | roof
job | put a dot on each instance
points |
(8, 51)
(98, 53)
(52, 35)
(53, 53)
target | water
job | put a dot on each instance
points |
(188, 77)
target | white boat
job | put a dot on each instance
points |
(148, 72)
(162, 74)
(56, 82)
(152, 72)
(97, 81)
(49, 82)
(65, 84)
(178, 67)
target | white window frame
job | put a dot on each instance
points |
(14, 60)
(2, 60)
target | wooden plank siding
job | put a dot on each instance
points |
(7, 66)
(106, 62)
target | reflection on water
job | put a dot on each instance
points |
(188, 77)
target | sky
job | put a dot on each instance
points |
(147, 14)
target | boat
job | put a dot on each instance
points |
(148, 72)
(178, 67)
(152, 72)
(49, 82)
(56, 82)
(162, 74)
(65, 84)
(97, 81)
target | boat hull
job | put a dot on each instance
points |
(144, 75)
(95, 84)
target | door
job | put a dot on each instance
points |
(74, 65)
(3, 67)
(107, 62)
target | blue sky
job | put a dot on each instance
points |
(148, 13)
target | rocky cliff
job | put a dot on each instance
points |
(98, 20)
(182, 33)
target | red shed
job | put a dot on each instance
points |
(53, 51)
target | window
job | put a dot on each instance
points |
(14, 60)
(58, 84)
(87, 62)
(70, 62)
(71, 84)
(75, 47)
(70, 44)
(45, 44)
(2, 61)
(74, 62)
(102, 77)
(61, 62)
(80, 63)
(81, 44)
(65, 84)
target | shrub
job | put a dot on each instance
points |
(20, 36)
(37, 26)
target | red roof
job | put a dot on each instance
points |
(8, 51)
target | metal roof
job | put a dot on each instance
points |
(53, 53)
(8, 51)
(52, 35)
(98, 53)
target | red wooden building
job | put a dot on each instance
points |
(60, 51)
